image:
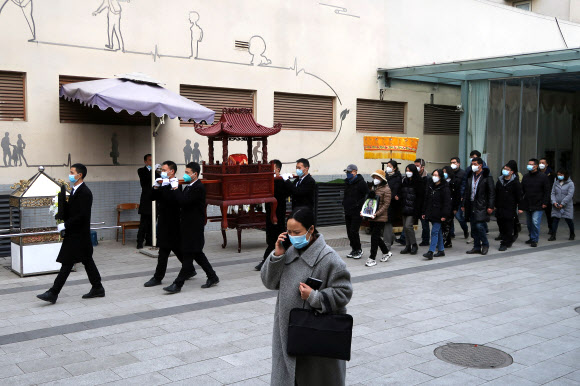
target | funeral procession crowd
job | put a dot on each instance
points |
(298, 263)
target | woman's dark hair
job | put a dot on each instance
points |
(416, 179)
(450, 173)
(564, 172)
(304, 216)
(413, 169)
(440, 174)
(394, 164)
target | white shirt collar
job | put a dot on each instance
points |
(74, 188)
(191, 184)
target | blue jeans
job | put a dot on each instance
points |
(460, 216)
(436, 237)
(478, 234)
(534, 220)
(424, 231)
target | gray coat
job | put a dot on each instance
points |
(284, 273)
(563, 194)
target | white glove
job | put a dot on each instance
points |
(158, 182)
(165, 182)
(174, 183)
(60, 227)
(157, 166)
(286, 176)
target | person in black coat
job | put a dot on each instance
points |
(508, 192)
(144, 233)
(168, 231)
(77, 246)
(478, 204)
(454, 189)
(303, 189)
(274, 230)
(458, 175)
(551, 174)
(394, 180)
(411, 194)
(437, 208)
(355, 192)
(191, 200)
(536, 191)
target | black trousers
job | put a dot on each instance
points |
(272, 233)
(352, 230)
(187, 267)
(548, 212)
(446, 228)
(506, 231)
(377, 229)
(65, 270)
(144, 233)
(162, 261)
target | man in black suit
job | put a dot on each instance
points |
(303, 189)
(168, 235)
(274, 230)
(76, 245)
(144, 234)
(191, 200)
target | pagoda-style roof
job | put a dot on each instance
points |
(237, 123)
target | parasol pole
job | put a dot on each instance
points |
(153, 206)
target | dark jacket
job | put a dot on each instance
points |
(355, 192)
(468, 173)
(145, 181)
(455, 189)
(550, 174)
(191, 201)
(507, 197)
(281, 193)
(437, 203)
(77, 245)
(394, 182)
(476, 210)
(536, 191)
(411, 195)
(168, 230)
(304, 193)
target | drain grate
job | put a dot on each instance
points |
(473, 355)
(577, 309)
(342, 242)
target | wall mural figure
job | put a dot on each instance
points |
(114, 11)
(196, 34)
(18, 151)
(187, 151)
(257, 48)
(6, 154)
(256, 152)
(26, 7)
(196, 153)
(114, 149)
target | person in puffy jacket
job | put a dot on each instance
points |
(562, 203)
(437, 209)
(411, 195)
(508, 192)
(382, 192)
(355, 192)
(535, 198)
(394, 180)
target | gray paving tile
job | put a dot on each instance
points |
(37, 377)
(248, 356)
(192, 370)
(400, 378)
(53, 361)
(148, 366)
(96, 378)
(201, 380)
(511, 380)
(149, 379)
(241, 373)
(9, 371)
(436, 368)
(544, 372)
(456, 378)
(100, 363)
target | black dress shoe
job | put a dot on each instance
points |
(192, 275)
(173, 289)
(414, 249)
(498, 238)
(503, 248)
(572, 236)
(152, 282)
(473, 251)
(424, 244)
(95, 293)
(406, 250)
(529, 241)
(448, 245)
(139, 245)
(211, 282)
(428, 255)
(259, 266)
(484, 250)
(552, 238)
(533, 244)
(439, 254)
(465, 234)
(48, 296)
(402, 242)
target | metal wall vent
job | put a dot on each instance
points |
(242, 45)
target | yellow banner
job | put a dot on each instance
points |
(404, 148)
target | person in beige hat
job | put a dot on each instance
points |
(382, 193)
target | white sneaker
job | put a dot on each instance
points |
(371, 263)
(358, 255)
(386, 256)
(469, 240)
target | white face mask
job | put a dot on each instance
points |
(542, 166)
(389, 170)
(409, 174)
(376, 181)
(435, 179)
(475, 168)
(454, 166)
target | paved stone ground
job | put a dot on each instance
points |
(521, 301)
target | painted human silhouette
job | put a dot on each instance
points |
(114, 11)
(256, 150)
(26, 6)
(5, 144)
(196, 153)
(257, 48)
(114, 149)
(18, 152)
(187, 151)
(196, 33)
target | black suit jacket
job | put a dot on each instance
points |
(304, 193)
(145, 181)
(281, 193)
(168, 235)
(77, 245)
(191, 200)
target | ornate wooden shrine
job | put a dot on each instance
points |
(235, 183)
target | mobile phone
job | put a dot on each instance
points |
(286, 243)
(313, 283)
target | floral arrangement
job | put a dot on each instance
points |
(53, 209)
